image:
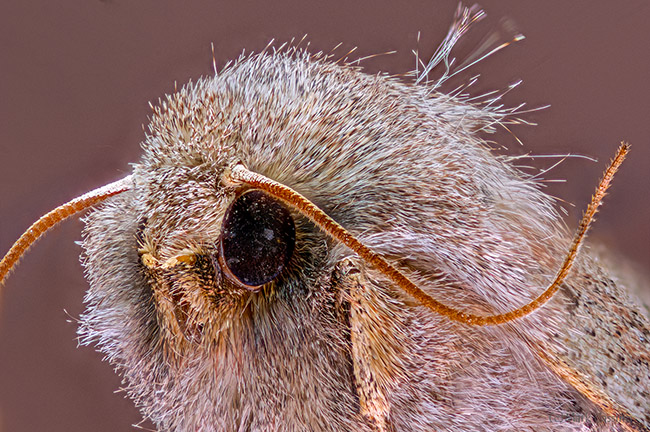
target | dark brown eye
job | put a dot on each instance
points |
(257, 238)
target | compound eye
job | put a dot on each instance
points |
(257, 238)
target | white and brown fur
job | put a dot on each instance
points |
(331, 344)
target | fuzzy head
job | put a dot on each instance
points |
(198, 342)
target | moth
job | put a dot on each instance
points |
(306, 247)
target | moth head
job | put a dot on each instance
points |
(207, 223)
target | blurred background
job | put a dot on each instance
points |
(77, 76)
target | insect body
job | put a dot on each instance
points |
(226, 308)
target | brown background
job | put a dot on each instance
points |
(76, 77)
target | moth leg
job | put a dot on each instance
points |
(377, 344)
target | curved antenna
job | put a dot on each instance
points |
(240, 174)
(55, 216)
